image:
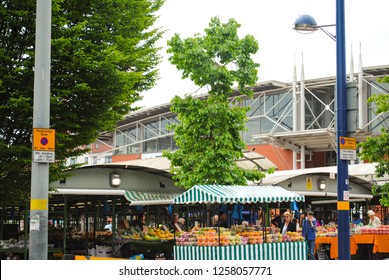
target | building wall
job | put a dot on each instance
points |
(98, 178)
(125, 157)
(146, 132)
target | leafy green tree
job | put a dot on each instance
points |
(376, 149)
(103, 55)
(209, 130)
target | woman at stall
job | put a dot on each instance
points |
(175, 225)
(288, 224)
(140, 222)
(373, 219)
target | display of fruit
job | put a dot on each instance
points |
(292, 237)
(186, 239)
(381, 229)
(227, 237)
(329, 230)
(101, 234)
(163, 234)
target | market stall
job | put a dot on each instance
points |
(378, 237)
(238, 243)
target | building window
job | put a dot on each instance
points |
(151, 130)
(108, 159)
(73, 161)
(164, 143)
(150, 146)
(126, 141)
(330, 158)
(377, 123)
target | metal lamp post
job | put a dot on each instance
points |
(306, 23)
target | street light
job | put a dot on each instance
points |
(308, 24)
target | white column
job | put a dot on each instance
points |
(362, 96)
(302, 159)
(295, 122)
(352, 78)
(302, 96)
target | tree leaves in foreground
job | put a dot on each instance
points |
(209, 130)
(376, 149)
(103, 55)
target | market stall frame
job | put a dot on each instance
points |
(207, 194)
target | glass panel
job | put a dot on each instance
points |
(252, 128)
(120, 141)
(381, 122)
(151, 130)
(164, 143)
(150, 146)
(165, 122)
(266, 125)
(132, 134)
(255, 107)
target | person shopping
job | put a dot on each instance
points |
(309, 233)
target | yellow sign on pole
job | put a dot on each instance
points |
(44, 139)
(348, 143)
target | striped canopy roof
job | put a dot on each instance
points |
(151, 197)
(236, 194)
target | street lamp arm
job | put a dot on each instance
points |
(329, 34)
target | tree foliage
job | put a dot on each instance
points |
(209, 130)
(103, 55)
(376, 149)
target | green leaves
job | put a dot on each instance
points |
(212, 59)
(103, 55)
(209, 130)
(376, 148)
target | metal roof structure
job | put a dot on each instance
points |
(313, 140)
(161, 165)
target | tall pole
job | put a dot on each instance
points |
(41, 119)
(343, 204)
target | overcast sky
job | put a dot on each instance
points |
(271, 22)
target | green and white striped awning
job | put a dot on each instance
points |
(236, 194)
(265, 251)
(151, 197)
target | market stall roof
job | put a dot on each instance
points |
(151, 197)
(236, 194)
(362, 174)
(62, 191)
(134, 197)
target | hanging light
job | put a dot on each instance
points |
(322, 184)
(114, 179)
(305, 24)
